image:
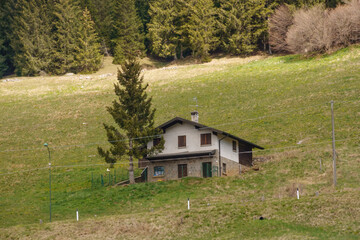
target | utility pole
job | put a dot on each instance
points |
(333, 141)
(47, 146)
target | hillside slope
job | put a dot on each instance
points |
(281, 103)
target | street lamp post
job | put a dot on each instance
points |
(47, 146)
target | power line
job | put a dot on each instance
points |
(105, 164)
(154, 136)
(29, 170)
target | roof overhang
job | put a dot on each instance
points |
(181, 156)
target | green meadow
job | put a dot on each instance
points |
(279, 102)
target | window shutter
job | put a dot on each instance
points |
(181, 141)
(206, 139)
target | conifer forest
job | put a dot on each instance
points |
(55, 37)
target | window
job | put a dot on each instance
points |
(224, 168)
(234, 145)
(181, 141)
(182, 170)
(159, 171)
(156, 141)
(206, 139)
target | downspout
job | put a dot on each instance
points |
(220, 155)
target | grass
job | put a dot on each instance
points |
(275, 102)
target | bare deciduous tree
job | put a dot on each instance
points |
(309, 32)
(279, 24)
(344, 25)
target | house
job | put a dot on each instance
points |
(193, 149)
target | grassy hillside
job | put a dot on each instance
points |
(281, 103)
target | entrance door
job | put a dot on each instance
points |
(182, 170)
(206, 166)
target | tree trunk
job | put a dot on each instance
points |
(181, 52)
(131, 165)
(105, 48)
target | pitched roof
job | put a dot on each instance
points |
(199, 126)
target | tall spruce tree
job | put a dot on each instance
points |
(66, 27)
(242, 24)
(101, 14)
(142, 9)
(134, 118)
(201, 27)
(3, 66)
(32, 37)
(8, 10)
(166, 28)
(88, 56)
(127, 40)
(3, 52)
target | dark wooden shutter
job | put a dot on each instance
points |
(182, 170)
(206, 139)
(181, 141)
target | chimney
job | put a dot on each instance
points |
(195, 116)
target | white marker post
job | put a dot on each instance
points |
(77, 215)
(188, 203)
(297, 193)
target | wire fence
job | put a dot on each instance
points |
(75, 181)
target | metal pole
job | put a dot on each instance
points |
(333, 141)
(220, 155)
(46, 145)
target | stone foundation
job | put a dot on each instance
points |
(194, 168)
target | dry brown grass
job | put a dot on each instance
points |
(103, 80)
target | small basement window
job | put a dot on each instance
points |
(234, 146)
(159, 171)
(181, 141)
(205, 139)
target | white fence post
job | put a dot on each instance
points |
(297, 193)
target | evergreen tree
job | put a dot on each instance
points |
(333, 3)
(66, 28)
(165, 28)
(8, 10)
(88, 56)
(101, 14)
(142, 9)
(242, 25)
(200, 27)
(31, 37)
(134, 118)
(3, 66)
(127, 41)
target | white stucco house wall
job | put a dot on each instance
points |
(193, 149)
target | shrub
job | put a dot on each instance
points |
(309, 32)
(344, 25)
(279, 24)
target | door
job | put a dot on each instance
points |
(206, 167)
(182, 170)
